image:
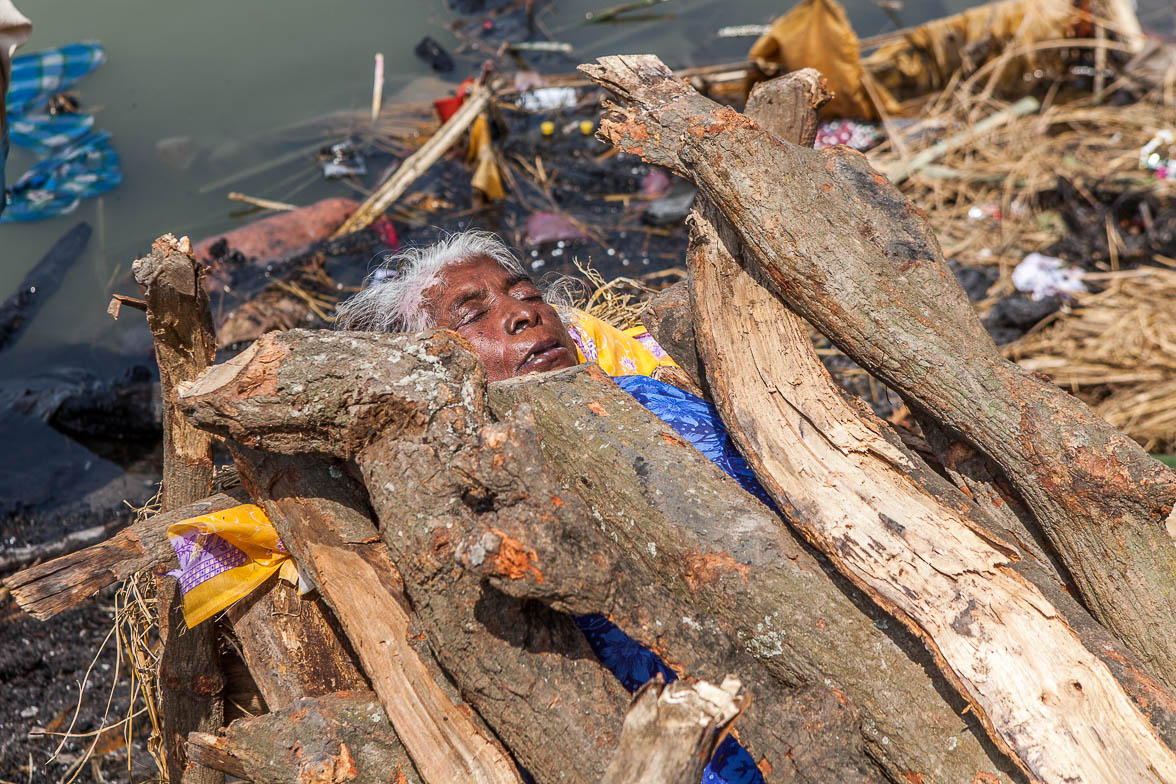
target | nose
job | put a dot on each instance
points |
(522, 316)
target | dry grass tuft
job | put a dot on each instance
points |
(1117, 351)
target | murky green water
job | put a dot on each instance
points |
(227, 74)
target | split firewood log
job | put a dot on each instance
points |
(671, 731)
(849, 253)
(461, 500)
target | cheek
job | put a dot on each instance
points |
(488, 346)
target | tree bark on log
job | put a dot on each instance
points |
(332, 738)
(189, 677)
(460, 499)
(851, 255)
(47, 589)
(317, 512)
(703, 537)
(671, 731)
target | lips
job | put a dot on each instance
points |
(542, 355)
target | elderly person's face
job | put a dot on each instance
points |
(504, 316)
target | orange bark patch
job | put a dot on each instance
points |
(557, 502)
(913, 778)
(705, 568)
(669, 439)
(597, 409)
(764, 766)
(439, 543)
(514, 560)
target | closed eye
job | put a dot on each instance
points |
(471, 317)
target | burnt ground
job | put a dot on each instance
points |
(41, 667)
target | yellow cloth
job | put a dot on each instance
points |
(630, 352)
(225, 555)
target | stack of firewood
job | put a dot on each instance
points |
(1006, 614)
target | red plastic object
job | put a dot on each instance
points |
(447, 107)
(387, 232)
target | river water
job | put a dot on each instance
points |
(227, 74)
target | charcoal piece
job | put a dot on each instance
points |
(1013, 316)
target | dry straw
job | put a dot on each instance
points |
(1117, 351)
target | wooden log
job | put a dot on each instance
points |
(711, 543)
(185, 345)
(460, 499)
(671, 731)
(189, 678)
(851, 255)
(332, 738)
(319, 513)
(292, 646)
(47, 589)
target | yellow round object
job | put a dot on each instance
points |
(547, 128)
(586, 127)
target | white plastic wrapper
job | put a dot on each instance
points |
(1044, 276)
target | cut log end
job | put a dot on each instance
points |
(672, 730)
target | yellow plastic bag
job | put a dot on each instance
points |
(225, 555)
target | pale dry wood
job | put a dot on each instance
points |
(1045, 699)
(47, 589)
(189, 677)
(672, 730)
(852, 256)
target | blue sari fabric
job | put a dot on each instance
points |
(632, 663)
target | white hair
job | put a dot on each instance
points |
(396, 303)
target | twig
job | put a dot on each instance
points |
(1100, 62)
(416, 164)
(378, 87)
(904, 170)
(609, 14)
(265, 204)
(118, 300)
(539, 46)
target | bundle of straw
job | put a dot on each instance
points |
(1117, 351)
